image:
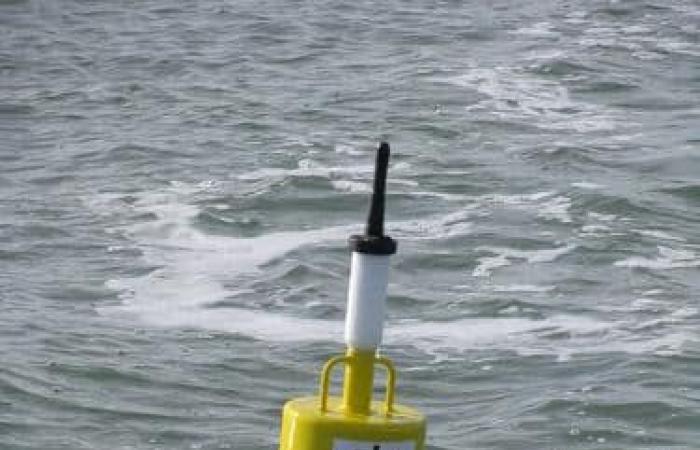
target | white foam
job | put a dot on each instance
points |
(441, 195)
(668, 259)
(305, 168)
(684, 312)
(439, 227)
(595, 229)
(587, 185)
(556, 209)
(488, 264)
(546, 204)
(347, 149)
(505, 256)
(402, 182)
(602, 217)
(193, 268)
(351, 186)
(658, 234)
(520, 199)
(196, 272)
(653, 292)
(524, 288)
(559, 335)
(356, 179)
(648, 56)
(537, 30)
(576, 19)
(256, 324)
(515, 95)
(683, 48)
(636, 29)
(639, 40)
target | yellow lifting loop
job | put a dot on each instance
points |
(380, 360)
(390, 383)
(326, 378)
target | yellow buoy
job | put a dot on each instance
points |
(356, 421)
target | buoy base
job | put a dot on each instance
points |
(306, 427)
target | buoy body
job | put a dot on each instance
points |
(355, 420)
(306, 427)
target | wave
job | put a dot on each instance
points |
(193, 271)
(511, 94)
(667, 258)
(504, 257)
(547, 205)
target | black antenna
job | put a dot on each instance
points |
(375, 221)
(374, 241)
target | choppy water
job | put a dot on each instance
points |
(178, 180)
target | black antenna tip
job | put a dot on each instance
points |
(375, 221)
(374, 240)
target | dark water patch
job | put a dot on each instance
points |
(575, 156)
(167, 10)
(300, 274)
(617, 11)
(42, 231)
(26, 167)
(60, 96)
(689, 192)
(52, 180)
(433, 130)
(444, 261)
(604, 87)
(513, 304)
(308, 194)
(103, 375)
(25, 387)
(131, 152)
(560, 68)
(657, 104)
(478, 35)
(632, 410)
(255, 125)
(293, 59)
(657, 7)
(229, 223)
(9, 110)
(10, 157)
(17, 255)
(126, 412)
(77, 293)
(499, 126)
(616, 205)
(408, 301)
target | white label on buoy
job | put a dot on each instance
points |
(340, 444)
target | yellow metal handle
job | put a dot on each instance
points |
(326, 379)
(381, 360)
(390, 383)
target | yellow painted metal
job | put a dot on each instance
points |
(359, 381)
(319, 423)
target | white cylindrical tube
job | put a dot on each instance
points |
(364, 321)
